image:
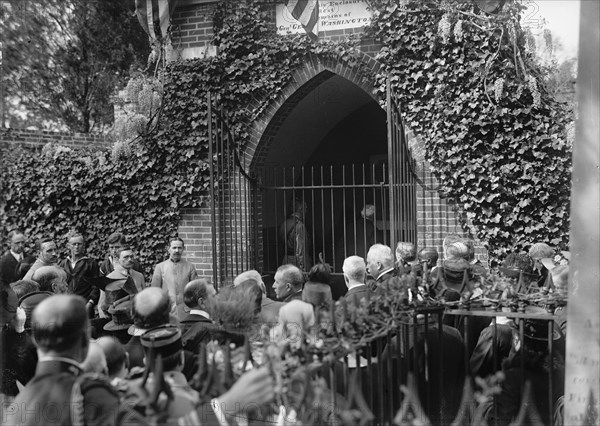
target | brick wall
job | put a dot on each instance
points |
(195, 228)
(35, 140)
(437, 216)
(193, 26)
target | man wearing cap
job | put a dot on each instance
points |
(60, 334)
(121, 320)
(10, 261)
(124, 280)
(47, 256)
(380, 266)
(115, 241)
(166, 342)
(173, 274)
(81, 271)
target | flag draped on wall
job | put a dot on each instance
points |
(155, 16)
(307, 13)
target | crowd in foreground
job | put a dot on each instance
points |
(91, 343)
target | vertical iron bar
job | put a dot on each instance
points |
(354, 218)
(440, 356)
(344, 215)
(322, 212)
(390, 159)
(364, 219)
(213, 209)
(228, 189)
(234, 199)
(551, 371)
(372, 169)
(427, 354)
(312, 201)
(390, 376)
(273, 174)
(332, 201)
(522, 343)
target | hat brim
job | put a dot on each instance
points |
(132, 330)
(514, 273)
(111, 326)
(548, 263)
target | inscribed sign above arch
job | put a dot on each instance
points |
(333, 15)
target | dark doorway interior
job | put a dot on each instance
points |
(331, 152)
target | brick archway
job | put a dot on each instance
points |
(305, 79)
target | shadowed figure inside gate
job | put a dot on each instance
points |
(295, 237)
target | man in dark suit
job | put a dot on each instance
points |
(82, 271)
(60, 325)
(380, 266)
(288, 284)
(196, 326)
(355, 273)
(9, 263)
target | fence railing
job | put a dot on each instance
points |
(424, 368)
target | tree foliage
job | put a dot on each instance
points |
(64, 60)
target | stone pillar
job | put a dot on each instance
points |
(582, 383)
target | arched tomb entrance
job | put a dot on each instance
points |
(332, 149)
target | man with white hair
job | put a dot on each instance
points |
(269, 309)
(380, 265)
(355, 273)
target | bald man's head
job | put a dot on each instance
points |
(151, 308)
(60, 323)
(252, 274)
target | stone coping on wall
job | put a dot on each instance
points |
(37, 139)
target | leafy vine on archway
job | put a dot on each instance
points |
(469, 88)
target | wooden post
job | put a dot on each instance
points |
(582, 382)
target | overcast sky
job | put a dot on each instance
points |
(562, 18)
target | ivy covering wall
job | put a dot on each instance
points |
(468, 86)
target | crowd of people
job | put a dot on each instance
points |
(89, 342)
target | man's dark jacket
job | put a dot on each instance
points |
(195, 329)
(81, 278)
(47, 398)
(8, 269)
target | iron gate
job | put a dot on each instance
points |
(232, 194)
(349, 207)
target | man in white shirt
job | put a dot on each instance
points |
(173, 274)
